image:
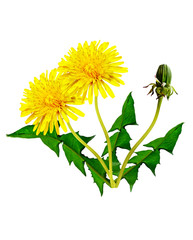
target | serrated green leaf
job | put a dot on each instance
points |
(73, 156)
(50, 139)
(97, 171)
(119, 139)
(127, 117)
(52, 143)
(169, 141)
(73, 148)
(73, 143)
(24, 132)
(132, 175)
(150, 158)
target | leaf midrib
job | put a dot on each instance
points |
(32, 136)
(164, 139)
(137, 163)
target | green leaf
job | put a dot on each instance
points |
(169, 141)
(50, 139)
(73, 148)
(127, 117)
(132, 175)
(119, 139)
(150, 158)
(25, 132)
(97, 171)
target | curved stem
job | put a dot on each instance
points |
(108, 143)
(139, 142)
(89, 148)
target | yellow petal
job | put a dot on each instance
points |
(51, 126)
(39, 127)
(43, 124)
(116, 64)
(35, 127)
(79, 46)
(56, 126)
(84, 95)
(30, 118)
(46, 128)
(71, 115)
(102, 91)
(119, 80)
(108, 89)
(120, 69)
(25, 113)
(110, 49)
(77, 111)
(103, 46)
(66, 119)
(62, 124)
(37, 121)
(47, 74)
(112, 81)
(90, 94)
(85, 44)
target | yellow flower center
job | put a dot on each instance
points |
(92, 71)
(51, 101)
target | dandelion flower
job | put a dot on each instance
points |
(47, 102)
(91, 67)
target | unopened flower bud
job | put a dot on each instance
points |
(163, 87)
(164, 74)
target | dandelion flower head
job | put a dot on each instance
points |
(91, 67)
(47, 102)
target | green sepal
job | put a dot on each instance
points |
(120, 139)
(127, 117)
(50, 139)
(73, 148)
(169, 141)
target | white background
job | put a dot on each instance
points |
(41, 196)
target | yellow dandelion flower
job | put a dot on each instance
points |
(47, 102)
(91, 67)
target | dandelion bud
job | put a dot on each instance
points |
(164, 74)
(163, 87)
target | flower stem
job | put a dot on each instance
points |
(89, 148)
(139, 142)
(108, 143)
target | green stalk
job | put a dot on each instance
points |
(139, 142)
(108, 143)
(89, 148)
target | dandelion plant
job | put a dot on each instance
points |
(52, 102)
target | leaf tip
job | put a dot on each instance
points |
(131, 188)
